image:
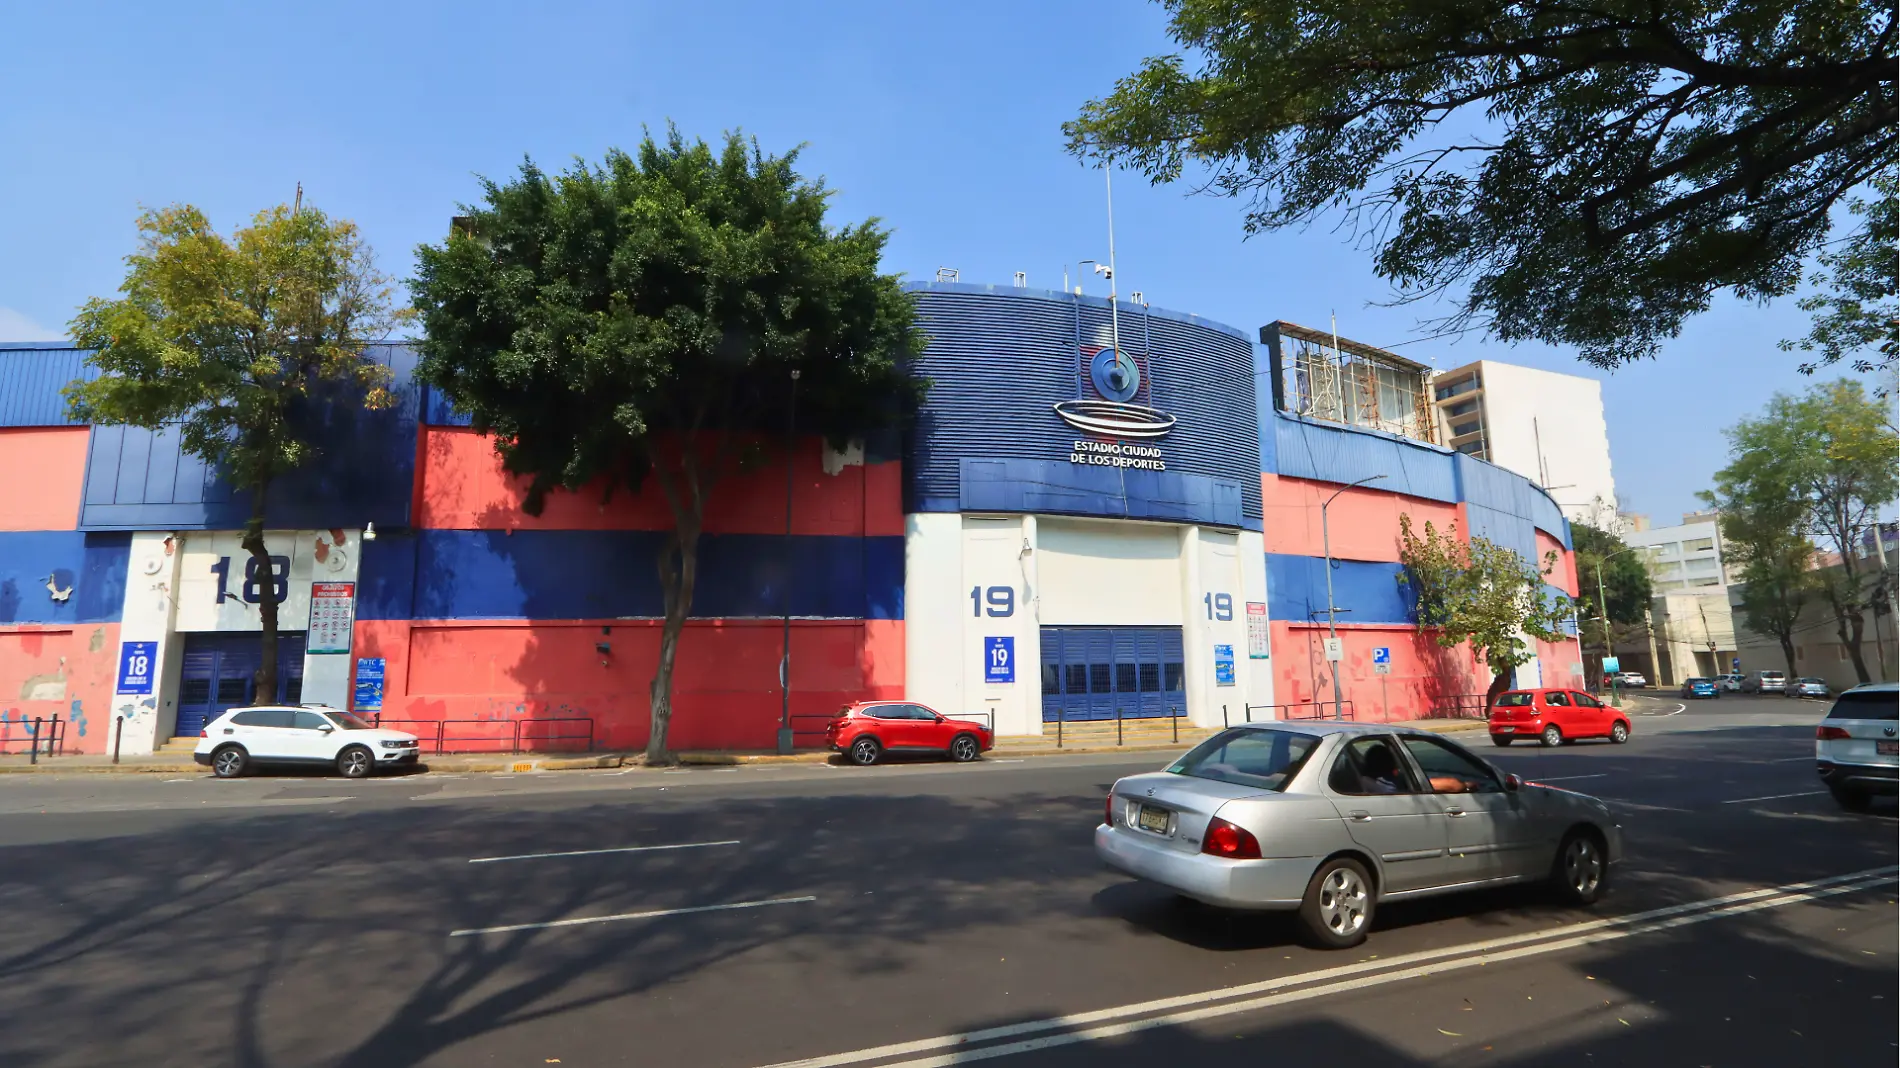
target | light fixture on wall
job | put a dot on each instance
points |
(369, 532)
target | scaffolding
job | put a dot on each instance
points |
(1349, 382)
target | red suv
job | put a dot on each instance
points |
(1554, 717)
(865, 730)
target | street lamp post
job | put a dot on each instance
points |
(785, 580)
(1603, 607)
(1332, 610)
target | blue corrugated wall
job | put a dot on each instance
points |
(91, 566)
(31, 378)
(1296, 590)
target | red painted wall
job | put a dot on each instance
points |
(64, 671)
(464, 488)
(725, 690)
(1565, 577)
(42, 473)
(1363, 522)
(1421, 670)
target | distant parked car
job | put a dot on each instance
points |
(866, 730)
(1630, 680)
(1764, 681)
(1553, 717)
(1806, 687)
(244, 738)
(1701, 687)
(1732, 682)
(1855, 748)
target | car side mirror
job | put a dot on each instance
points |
(1512, 782)
(326, 728)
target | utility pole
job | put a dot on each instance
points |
(1603, 608)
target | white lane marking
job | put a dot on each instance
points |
(1790, 760)
(654, 915)
(1573, 934)
(594, 852)
(1572, 778)
(1680, 709)
(178, 780)
(1002, 760)
(1775, 797)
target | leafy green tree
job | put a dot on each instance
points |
(232, 341)
(1778, 577)
(650, 317)
(1477, 592)
(1855, 314)
(1817, 466)
(1593, 172)
(1626, 580)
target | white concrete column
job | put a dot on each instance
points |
(148, 615)
(934, 609)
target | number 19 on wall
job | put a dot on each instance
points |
(1219, 606)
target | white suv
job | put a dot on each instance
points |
(310, 734)
(1855, 746)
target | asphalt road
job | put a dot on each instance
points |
(918, 914)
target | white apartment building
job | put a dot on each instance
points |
(1686, 558)
(1693, 625)
(1546, 426)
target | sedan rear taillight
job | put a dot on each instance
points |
(203, 733)
(1829, 734)
(1108, 809)
(1223, 839)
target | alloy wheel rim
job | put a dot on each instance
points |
(1342, 901)
(966, 748)
(1584, 866)
(227, 762)
(1552, 737)
(864, 752)
(354, 762)
(1619, 732)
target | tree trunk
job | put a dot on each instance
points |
(1500, 682)
(1787, 650)
(1851, 637)
(679, 572)
(265, 680)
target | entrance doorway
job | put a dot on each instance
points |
(1089, 672)
(218, 676)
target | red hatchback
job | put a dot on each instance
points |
(866, 730)
(1554, 716)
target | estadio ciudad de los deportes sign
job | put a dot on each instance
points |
(1117, 381)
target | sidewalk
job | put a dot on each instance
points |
(505, 763)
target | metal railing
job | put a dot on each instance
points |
(1296, 710)
(1174, 717)
(497, 735)
(42, 736)
(1457, 706)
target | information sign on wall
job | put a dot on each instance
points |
(137, 661)
(332, 617)
(1259, 637)
(1223, 665)
(369, 684)
(999, 659)
(1382, 660)
(1335, 649)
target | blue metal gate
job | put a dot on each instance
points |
(219, 675)
(1089, 672)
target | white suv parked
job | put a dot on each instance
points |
(1856, 746)
(310, 734)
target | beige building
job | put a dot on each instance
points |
(1546, 426)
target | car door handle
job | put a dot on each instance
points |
(1454, 812)
(1360, 815)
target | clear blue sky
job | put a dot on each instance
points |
(942, 119)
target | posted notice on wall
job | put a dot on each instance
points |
(1259, 639)
(136, 663)
(332, 617)
(1223, 665)
(369, 684)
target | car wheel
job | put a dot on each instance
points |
(865, 751)
(1500, 740)
(355, 762)
(963, 748)
(1620, 732)
(1337, 909)
(1552, 737)
(1850, 800)
(230, 762)
(1581, 870)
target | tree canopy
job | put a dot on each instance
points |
(231, 340)
(1626, 585)
(644, 318)
(1818, 466)
(1855, 310)
(1482, 593)
(1590, 172)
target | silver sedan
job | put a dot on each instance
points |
(1328, 819)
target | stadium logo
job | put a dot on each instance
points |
(1112, 412)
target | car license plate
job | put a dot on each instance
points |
(1153, 819)
(1887, 748)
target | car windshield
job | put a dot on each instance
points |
(1866, 704)
(1513, 700)
(349, 721)
(1814, 682)
(1693, 682)
(1263, 759)
(1773, 675)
